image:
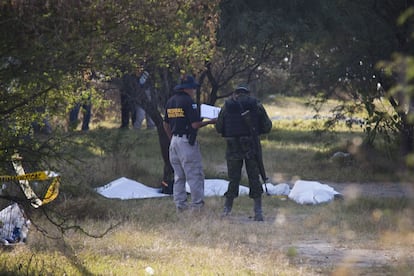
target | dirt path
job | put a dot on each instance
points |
(355, 258)
(354, 190)
(322, 254)
(351, 255)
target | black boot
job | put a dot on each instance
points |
(258, 214)
(228, 204)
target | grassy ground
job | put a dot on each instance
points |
(358, 236)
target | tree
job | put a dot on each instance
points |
(184, 32)
(47, 46)
(330, 49)
(234, 64)
(42, 59)
(401, 96)
(371, 37)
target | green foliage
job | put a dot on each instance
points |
(302, 47)
(331, 49)
(48, 47)
(38, 60)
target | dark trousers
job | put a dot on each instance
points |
(128, 111)
(234, 168)
(74, 113)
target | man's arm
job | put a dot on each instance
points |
(200, 124)
(265, 124)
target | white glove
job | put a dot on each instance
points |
(143, 78)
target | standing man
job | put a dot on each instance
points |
(145, 85)
(127, 104)
(85, 103)
(243, 144)
(181, 122)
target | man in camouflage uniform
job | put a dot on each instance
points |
(241, 145)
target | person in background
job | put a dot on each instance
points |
(86, 106)
(85, 103)
(127, 106)
(140, 116)
(44, 127)
(140, 113)
(181, 122)
(242, 145)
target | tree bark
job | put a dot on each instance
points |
(139, 97)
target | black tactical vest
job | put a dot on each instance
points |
(234, 124)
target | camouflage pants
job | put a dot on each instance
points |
(241, 151)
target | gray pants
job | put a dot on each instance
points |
(187, 164)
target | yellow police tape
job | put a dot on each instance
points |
(52, 192)
(53, 189)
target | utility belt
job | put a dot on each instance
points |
(191, 138)
(240, 138)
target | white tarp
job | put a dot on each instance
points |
(303, 192)
(217, 187)
(279, 189)
(125, 188)
(14, 227)
(311, 192)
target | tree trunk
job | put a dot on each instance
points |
(407, 127)
(139, 97)
(407, 131)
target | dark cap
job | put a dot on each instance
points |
(187, 82)
(242, 89)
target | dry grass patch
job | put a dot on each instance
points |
(293, 240)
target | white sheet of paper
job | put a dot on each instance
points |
(209, 111)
